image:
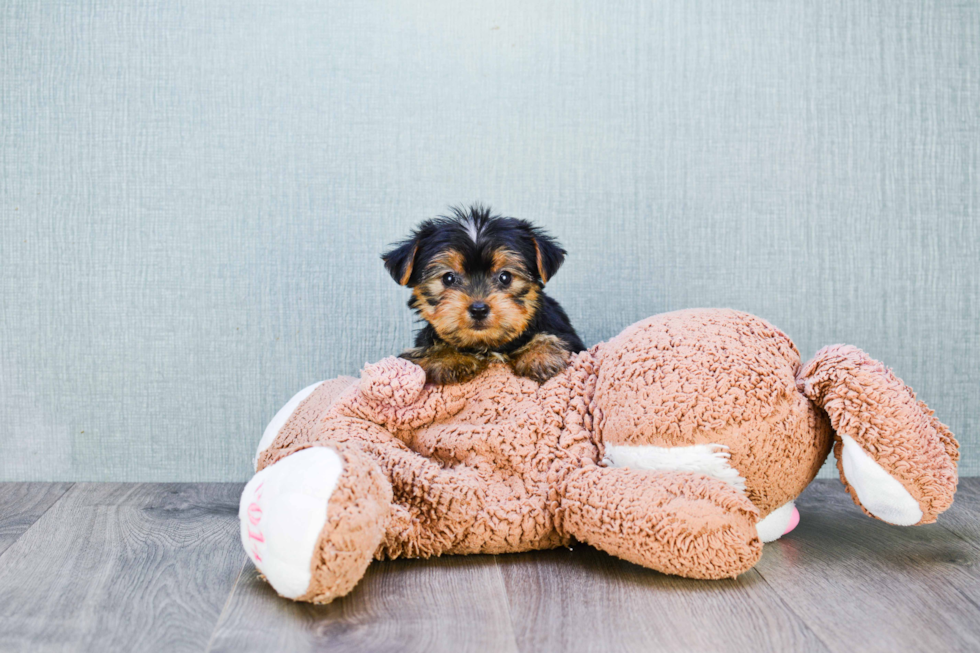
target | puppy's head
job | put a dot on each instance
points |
(475, 277)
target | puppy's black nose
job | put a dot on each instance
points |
(479, 310)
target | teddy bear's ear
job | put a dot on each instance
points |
(400, 261)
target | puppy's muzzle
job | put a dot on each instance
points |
(479, 310)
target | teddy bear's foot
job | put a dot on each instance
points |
(312, 521)
(282, 511)
(896, 459)
(681, 523)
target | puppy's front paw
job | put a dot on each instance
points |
(542, 358)
(444, 365)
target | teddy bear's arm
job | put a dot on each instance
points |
(681, 523)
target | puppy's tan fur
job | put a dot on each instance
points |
(541, 358)
(511, 308)
(445, 364)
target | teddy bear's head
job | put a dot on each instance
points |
(711, 391)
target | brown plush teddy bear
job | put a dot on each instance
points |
(679, 445)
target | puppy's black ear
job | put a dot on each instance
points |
(401, 260)
(548, 254)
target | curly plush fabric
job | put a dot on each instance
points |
(664, 446)
(869, 404)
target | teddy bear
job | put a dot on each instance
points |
(679, 445)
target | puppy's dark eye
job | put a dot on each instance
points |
(505, 278)
(448, 279)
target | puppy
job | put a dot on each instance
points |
(477, 280)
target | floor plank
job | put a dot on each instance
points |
(585, 600)
(22, 504)
(963, 518)
(863, 585)
(441, 604)
(122, 567)
(152, 567)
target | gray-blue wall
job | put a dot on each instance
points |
(194, 194)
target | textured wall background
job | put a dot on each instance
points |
(194, 195)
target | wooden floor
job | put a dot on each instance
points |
(124, 567)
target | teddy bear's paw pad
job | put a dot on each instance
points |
(779, 522)
(282, 511)
(880, 493)
(708, 459)
(281, 417)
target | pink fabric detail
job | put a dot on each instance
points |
(794, 521)
(254, 517)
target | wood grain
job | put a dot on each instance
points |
(583, 599)
(863, 585)
(440, 604)
(160, 568)
(963, 517)
(121, 567)
(22, 504)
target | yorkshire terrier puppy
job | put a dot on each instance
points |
(477, 280)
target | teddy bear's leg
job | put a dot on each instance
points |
(435, 507)
(681, 523)
(304, 408)
(312, 521)
(896, 459)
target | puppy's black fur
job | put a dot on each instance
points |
(477, 280)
